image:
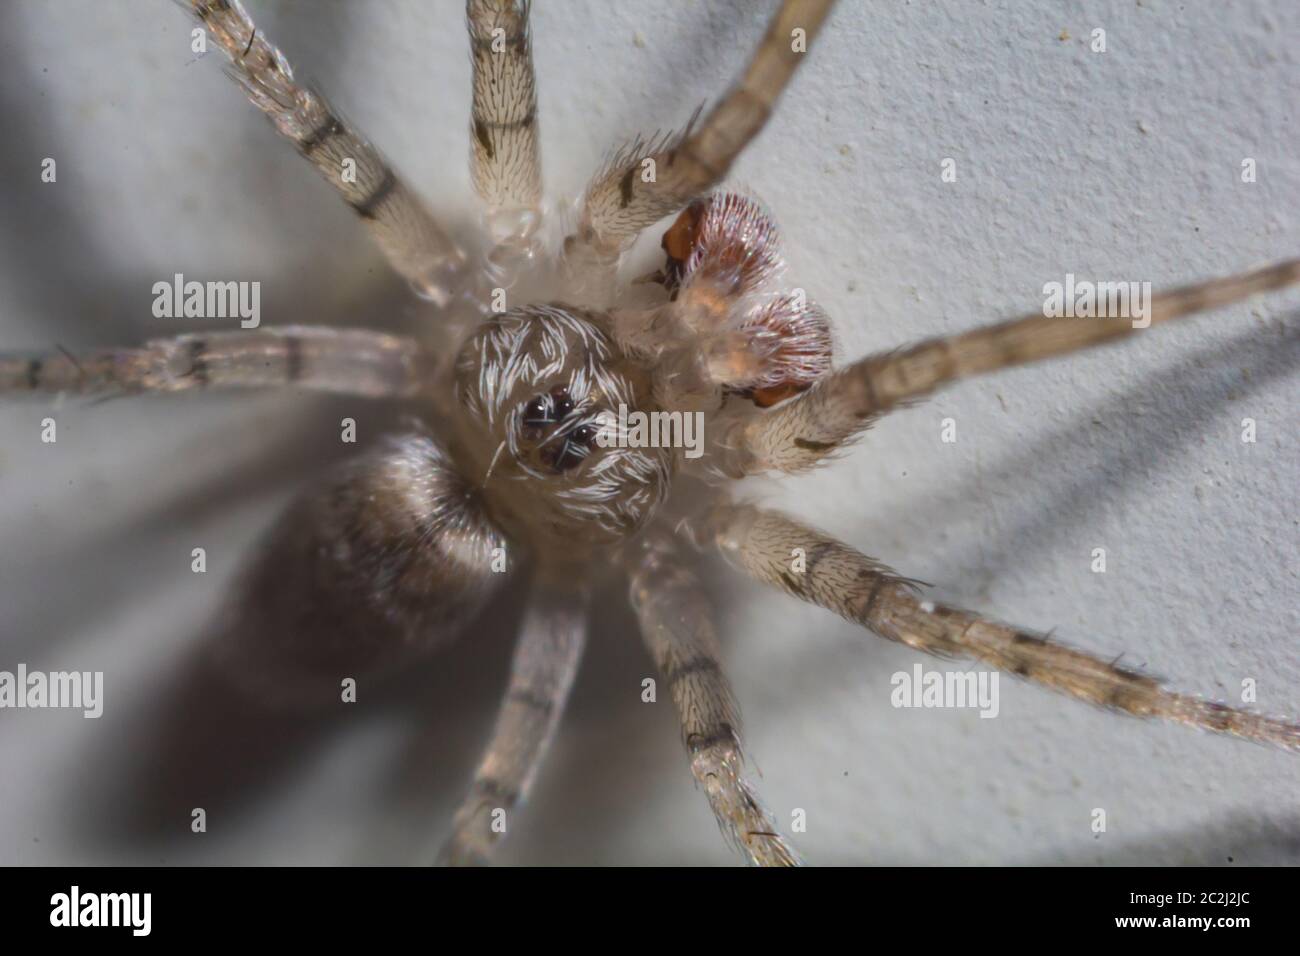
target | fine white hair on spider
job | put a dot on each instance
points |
(537, 381)
(534, 346)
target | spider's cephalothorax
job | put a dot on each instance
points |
(397, 549)
(537, 386)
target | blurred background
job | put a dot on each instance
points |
(1124, 164)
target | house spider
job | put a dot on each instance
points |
(400, 545)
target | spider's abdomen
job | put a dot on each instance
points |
(539, 386)
(387, 557)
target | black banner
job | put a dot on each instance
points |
(335, 906)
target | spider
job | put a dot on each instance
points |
(533, 349)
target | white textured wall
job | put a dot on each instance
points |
(1117, 165)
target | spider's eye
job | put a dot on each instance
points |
(546, 423)
(538, 416)
(538, 411)
(565, 452)
(562, 401)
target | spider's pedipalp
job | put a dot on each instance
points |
(344, 361)
(677, 625)
(839, 578)
(545, 662)
(726, 239)
(803, 432)
(398, 220)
